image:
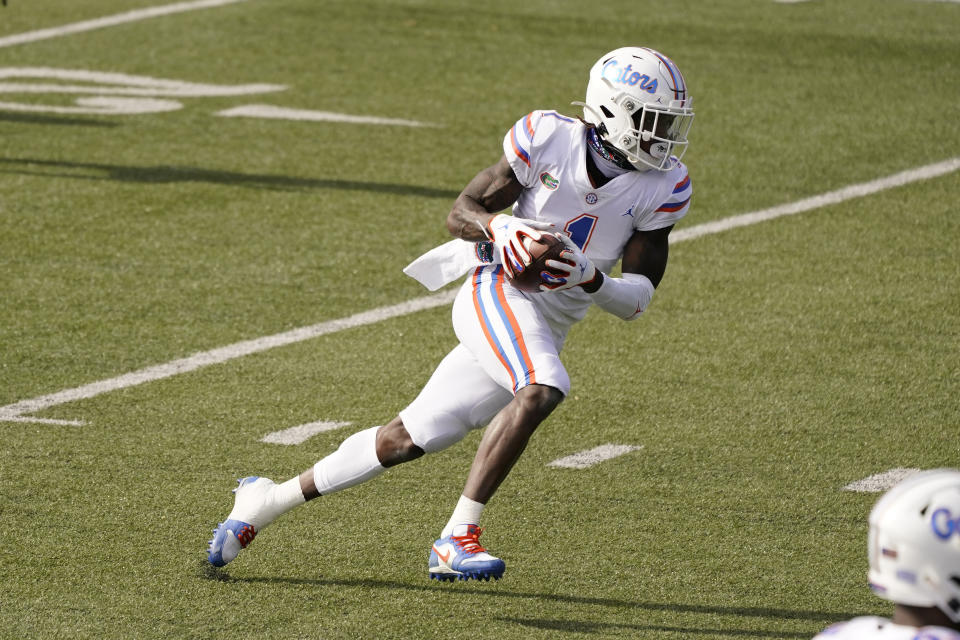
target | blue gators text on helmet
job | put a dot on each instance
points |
(626, 75)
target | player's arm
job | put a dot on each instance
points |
(646, 254)
(474, 215)
(644, 263)
(492, 190)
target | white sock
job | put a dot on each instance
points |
(263, 501)
(288, 495)
(467, 511)
(278, 499)
(354, 462)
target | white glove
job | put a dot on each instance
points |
(574, 268)
(508, 236)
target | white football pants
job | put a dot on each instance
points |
(505, 345)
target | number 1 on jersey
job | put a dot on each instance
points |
(580, 229)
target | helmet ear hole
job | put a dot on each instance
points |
(606, 111)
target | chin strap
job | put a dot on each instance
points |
(607, 152)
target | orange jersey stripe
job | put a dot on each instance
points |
(529, 124)
(523, 155)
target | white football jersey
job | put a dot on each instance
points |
(873, 628)
(547, 152)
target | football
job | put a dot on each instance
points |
(548, 247)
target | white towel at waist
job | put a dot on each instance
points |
(448, 262)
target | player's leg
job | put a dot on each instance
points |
(458, 397)
(506, 437)
(515, 345)
(457, 553)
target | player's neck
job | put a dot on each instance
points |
(601, 167)
(597, 179)
(922, 617)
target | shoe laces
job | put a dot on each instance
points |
(469, 542)
(245, 535)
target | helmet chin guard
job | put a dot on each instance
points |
(637, 98)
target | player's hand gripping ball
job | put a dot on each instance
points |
(548, 247)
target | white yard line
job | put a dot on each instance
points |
(824, 199)
(16, 411)
(111, 21)
(300, 433)
(16, 418)
(223, 354)
(308, 115)
(584, 459)
(881, 481)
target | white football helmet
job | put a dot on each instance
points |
(914, 542)
(637, 95)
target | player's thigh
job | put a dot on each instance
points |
(507, 334)
(459, 396)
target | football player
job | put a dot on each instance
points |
(611, 185)
(914, 555)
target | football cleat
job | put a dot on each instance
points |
(251, 513)
(460, 557)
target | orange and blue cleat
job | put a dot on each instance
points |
(459, 556)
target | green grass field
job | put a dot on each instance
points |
(778, 362)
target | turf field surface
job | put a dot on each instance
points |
(779, 361)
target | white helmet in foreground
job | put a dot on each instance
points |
(914, 543)
(638, 100)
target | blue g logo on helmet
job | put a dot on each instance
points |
(627, 76)
(944, 524)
